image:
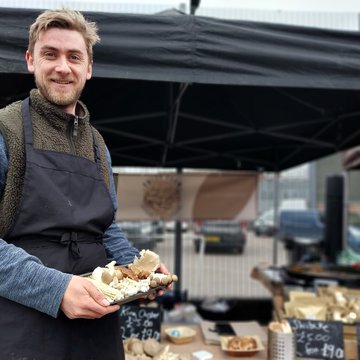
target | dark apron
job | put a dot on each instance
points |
(64, 210)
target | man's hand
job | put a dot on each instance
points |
(83, 300)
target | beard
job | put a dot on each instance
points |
(59, 97)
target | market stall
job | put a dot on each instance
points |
(176, 91)
(318, 301)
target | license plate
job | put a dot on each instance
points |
(212, 238)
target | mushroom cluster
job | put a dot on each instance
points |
(120, 282)
(150, 349)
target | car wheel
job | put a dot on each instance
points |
(238, 250)
(289, 244)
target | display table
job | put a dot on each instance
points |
(199, 344)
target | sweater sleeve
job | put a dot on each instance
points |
(116, 244)
(25, 280)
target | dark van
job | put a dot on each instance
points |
(302, 232)
(307, 224)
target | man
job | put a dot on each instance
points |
(57, 205)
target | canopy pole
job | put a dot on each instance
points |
(276, 217)
(346, 209)
(178, 252)
(312, 196)
(194, 4)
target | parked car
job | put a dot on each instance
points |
(303, 232)
(301, 224)
(221, 236)
(354, 231)
(141, 234)
(264, 224)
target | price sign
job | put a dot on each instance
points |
(140, 322)
(318, 339)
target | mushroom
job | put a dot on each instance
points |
(151, 347)
(106, 276)
(148, 261)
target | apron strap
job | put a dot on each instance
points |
(70, 239)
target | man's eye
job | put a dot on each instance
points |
(75, 57)
(49, 54)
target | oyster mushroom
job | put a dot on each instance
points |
(148, 261)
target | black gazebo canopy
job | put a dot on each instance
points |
(175, 90)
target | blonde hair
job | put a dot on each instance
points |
(64, 19)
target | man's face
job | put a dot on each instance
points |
(61, 66)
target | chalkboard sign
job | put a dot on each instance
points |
(140, 322)
(318, 339)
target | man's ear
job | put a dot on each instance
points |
(30, 62)
(89, 70)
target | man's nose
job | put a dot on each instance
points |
(62, 65)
